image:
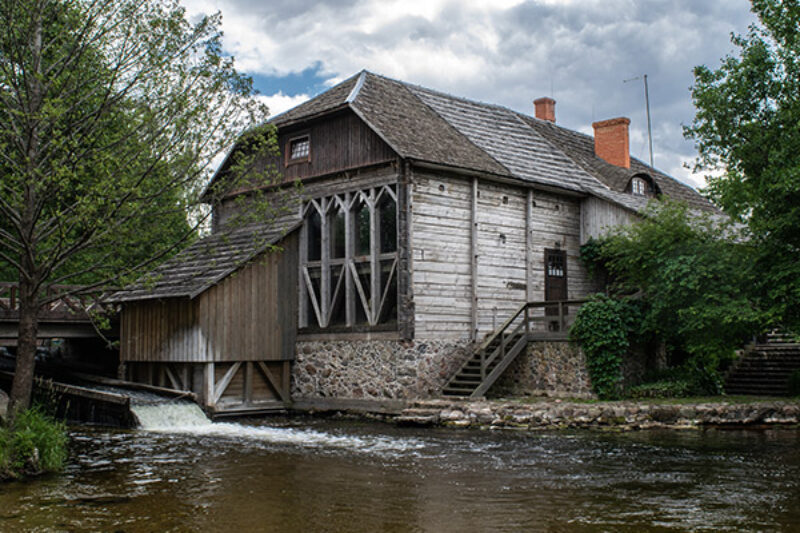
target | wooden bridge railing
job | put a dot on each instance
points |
(74, 307)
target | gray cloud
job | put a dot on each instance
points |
(577, 51)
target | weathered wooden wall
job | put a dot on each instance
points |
(338, 143)
(440, 255)
(509, 263)
(598, 216)
(249, 316)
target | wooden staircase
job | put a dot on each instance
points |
(494, 355)
(765, 368)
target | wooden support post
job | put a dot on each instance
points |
(474, 255)
(248, 382)
(349, 251)
(302, 299)
(405, 299)
(286, 381)
(374, 253)
(325, 256)
(208, 385)
(529, 247)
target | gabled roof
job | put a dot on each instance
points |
(204, 263)
(430, 126)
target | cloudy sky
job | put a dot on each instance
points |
(506, 52)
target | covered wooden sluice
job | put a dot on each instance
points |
(219, 319)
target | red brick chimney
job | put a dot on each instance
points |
(611, 141)
(545, 109)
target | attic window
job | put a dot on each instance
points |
(299, 150)
(639, 187)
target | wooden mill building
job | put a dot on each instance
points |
(426, 225)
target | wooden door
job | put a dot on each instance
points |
(555, 278)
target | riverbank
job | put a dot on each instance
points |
(549, 413)
(622, 415)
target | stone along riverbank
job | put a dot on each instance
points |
(557, 414)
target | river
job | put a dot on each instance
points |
(317, 475)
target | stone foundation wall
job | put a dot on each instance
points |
(556, 368)
(375, 369)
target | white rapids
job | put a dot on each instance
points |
(188, 419)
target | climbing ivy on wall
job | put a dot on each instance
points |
(604, 327)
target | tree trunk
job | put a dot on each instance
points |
(22, 385)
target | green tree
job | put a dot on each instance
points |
(693, 274)
(747, 131)
(111, 113)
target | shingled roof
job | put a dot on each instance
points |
(204, 263)
(430, 126)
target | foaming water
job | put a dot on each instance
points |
(310, 474)
(186, 418)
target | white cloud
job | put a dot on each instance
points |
(279, 102)
(502, 51)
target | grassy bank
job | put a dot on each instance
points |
(34, 444)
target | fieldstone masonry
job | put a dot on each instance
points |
(377, 369)
(556, 369)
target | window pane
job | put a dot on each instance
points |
(314, 225)
(299, 148)
(387, 218)
(336, 225)
(361, 228)
(338, 313)
(311, 316)
(363, 270)
(389, 309)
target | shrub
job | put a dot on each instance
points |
(678, 388)
(603, 327)
(34, 444)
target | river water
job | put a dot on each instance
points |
(303, 474)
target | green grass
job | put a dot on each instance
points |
(34, 444)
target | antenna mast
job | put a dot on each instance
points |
(647, 106)
(649, 128)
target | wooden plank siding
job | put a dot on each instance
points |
(510, 262)
(338, 142)
(440, 235)
(249, 316)
(598, 216)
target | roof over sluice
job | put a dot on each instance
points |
(205, 263)
(434, 127)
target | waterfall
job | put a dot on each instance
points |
(169, 415)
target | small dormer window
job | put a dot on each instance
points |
(298, 150)
(639, 187)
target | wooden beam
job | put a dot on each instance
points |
(176, 383)
(302, 300)
(248, 382)
(222, 386)
(208, 385)
(374, 252)
(274, 382)
(529, 246)
(473, 243)
(349, 247)
(325, 259)
(405, 293)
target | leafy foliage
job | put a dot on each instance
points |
(35, 443)
(603, 327)
(747, 134)
(693, 276)
(113, 113)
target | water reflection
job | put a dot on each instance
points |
(312, 475)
